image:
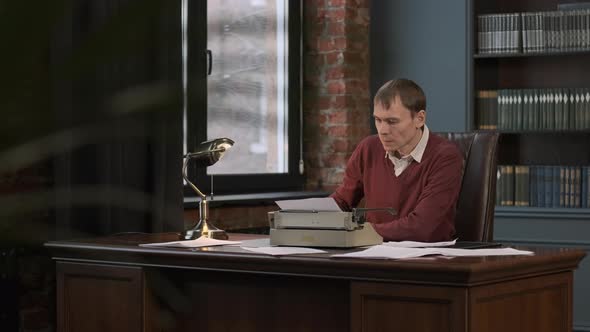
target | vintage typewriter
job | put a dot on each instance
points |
(323, 228)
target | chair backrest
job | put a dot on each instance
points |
(477, 199)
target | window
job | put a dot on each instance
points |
(242, 65)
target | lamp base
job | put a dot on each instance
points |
(208, 231)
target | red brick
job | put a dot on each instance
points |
(315, 3)
(336, 28)
(363, 116)
(353, 86)
(352, 58)
(324, 102)
(360, 3)
(339, 117)
(334, 58)
(335, 73)
(340, 43)
(336, 3)
(341, 102)
(334, 179)
(363, 105)
(342, 145)
(339, 131)
(351, 13)
(336, 87)
(320, 13)
(325, 44)
(363, 16)
(334, 160)
(360, 130)
(336, 14)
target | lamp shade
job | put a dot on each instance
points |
(209, 152)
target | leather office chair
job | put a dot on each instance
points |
(477, 198)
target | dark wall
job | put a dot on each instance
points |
(426, 41)
(91, 135)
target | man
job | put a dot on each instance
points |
(405, 167)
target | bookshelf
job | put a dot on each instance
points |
(507, 65)
(525, 49)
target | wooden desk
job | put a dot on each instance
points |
(112, 284)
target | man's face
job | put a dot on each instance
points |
(397, 129)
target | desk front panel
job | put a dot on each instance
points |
(537, 304)
(403, 307)
(534, 304)
(97, 297)
(224, 301)
(132, 288)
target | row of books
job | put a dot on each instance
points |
(533, 109)
(534, 31)
(543, 186)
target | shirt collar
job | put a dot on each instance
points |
(418, 151)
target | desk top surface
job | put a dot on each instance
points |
(124, 249)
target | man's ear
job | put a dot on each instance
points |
(420, 118)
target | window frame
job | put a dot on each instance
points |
(196, 110)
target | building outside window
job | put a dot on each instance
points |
(251, 93)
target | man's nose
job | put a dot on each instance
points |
(382, 128)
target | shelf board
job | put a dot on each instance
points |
(542, 213)
(530, 54)
(535, 132)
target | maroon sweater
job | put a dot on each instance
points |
(424, 195)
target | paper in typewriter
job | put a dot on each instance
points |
(309, 204)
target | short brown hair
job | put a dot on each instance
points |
(410, 94)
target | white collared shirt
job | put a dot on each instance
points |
(400, 164)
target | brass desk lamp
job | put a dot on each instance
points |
(207, 154)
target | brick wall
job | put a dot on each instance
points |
(336, 86)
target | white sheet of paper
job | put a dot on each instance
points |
(482, 252)
(309, 204)
(256, 243)
(414, 244)
(388, 252)
(200, 242)
(279, 251)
